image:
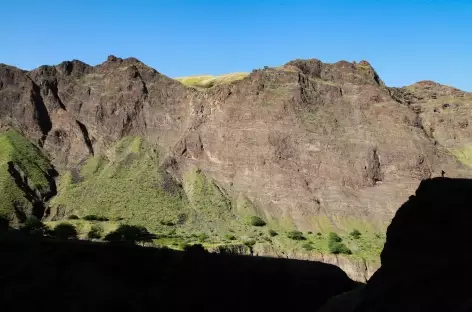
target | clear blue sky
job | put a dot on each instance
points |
(405, 40)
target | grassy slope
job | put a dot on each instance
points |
(208, 81)
(129, 184)
(15, 148)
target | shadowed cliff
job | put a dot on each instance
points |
(426, 259)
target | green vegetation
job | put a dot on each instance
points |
(95, 218)
(208, 81)
(307, 246)
(33, 226)
(250, 243)
(296, 235)
(28, 161)
(464, 155)
(230, 237)
(356, 234)
(129, 185)
(334, 237)
(129, 234)
(257, 221)
(128, 188)
(336, 246)
(64, 231)
(96, 232)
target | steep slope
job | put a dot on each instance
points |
(444, 113)
(26, 178)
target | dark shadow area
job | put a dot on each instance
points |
(45, 274)
(427, 258)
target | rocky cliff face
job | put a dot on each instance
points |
(303, 141)
(308, 146)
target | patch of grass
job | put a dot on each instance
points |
(307, 246)
(208, 81)
(464, 155)
(130, 186)
(26, 157)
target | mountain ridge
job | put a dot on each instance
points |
(305, 146)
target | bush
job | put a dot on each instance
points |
(338, 248)
(96, 232)
(307, 247)
(130, 234)
(250, 243)
(272, 233)
(73, 217)
(65, 231)
(256, 221)
(310, 232)
(356, 234)
(230, 237)
(296, 235)
(34, 226)
(95, 218)
(333, 237)
(319, 233)
(167, 223)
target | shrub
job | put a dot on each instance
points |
(130, 234)
(34, 226)
(319, 234)
(95, 218)
(272, 233)
(250, 243)
(96, 232)
(338, 248)
(356, 234)
(65, 231)
(310, 232)
(167, 223)
(333, 237)
(296, 235)
(256, 221)
(230, 237)
(307, 247)
(73, 217)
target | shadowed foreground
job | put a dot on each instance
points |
(45, 275)
(426, 261)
